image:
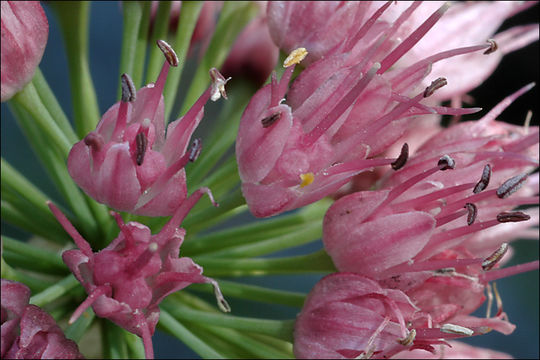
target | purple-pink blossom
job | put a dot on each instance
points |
(28, 332)
(128, 279)
(25, 30)
(128, 163)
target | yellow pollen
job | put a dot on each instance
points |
(295, 57)
(307, 179)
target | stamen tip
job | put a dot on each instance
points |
(402, 158)
(168, 51)
(446, 162)
(492, 46)
(295, 57)
(435, 85)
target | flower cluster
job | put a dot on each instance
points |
(28, 332)
(422, 218)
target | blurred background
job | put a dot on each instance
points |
(519, 293)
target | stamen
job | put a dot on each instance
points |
(295, 57)
(307, 179)
(222, 303)
(510, 186)
(218, 85)
(472, 212)
(195, 150)
(489, 293)
(447, 162)
(142, 142)
(512, 216)
(494, 258)
(409, 339)
(270, 120)
(435, 85)
(168, 51)
(456, 329)
(484, 180)
(402, 158)
(498, 300)
(128, 89)
(94, 140)
(449, 270)
(492, 46)
(93, 296)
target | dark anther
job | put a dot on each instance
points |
(195, 150)
(492, 46)
(510, 186)
(512, 216)
(402, 158)
(484, 180)
(447, 161)
(269, 120)
(128, 89)
(141, 142)
(168, 51)
(435, 84)
(494, 258)
(472, 212)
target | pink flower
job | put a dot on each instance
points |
(253, 54)
(127, 163)
(29, 332)
(455, 350)
(464, 24)
(339, 111)
(24, 35)
(426, 207)
(128, 279)
(347, 315)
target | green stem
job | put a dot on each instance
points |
(182, 333)
(35, 259)
(112, 337)
(54, 292)
(28, 200)
(257, 348)
(73, 17)
(160, 29)
(256, 293)
(302, 235)
(233, 17)
(49, 100)
(56, 168)
(186, 24)
(28, 99)
(76, 330)
(317, 262)
(35, 285)
(141, 43)
(135, 346)
(281, 329)
(132, 15)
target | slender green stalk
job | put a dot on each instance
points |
(113, 340)
(256, 293)
(54, 292)
(57, 170)
(281, 329)
(317, 262)
(303, 235)
(233, 18)
(181, 332)
(73, 17)
(132, 14)
(49, 100)
(76, 330)
(8, 273)
(141, 44)
(257, 348)
(135, 346)
(159, 31)
(28, 99)
(186, 24)
(35, 259)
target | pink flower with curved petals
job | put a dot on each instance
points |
(25, 30)
(128, 279)
(127, 163)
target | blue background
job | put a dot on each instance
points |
(520, 293)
